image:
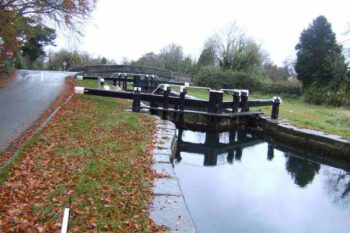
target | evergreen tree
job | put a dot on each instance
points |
(103, 61)
(39, 37)
(319, 57)
(207, 57)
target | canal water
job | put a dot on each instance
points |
(237, 182)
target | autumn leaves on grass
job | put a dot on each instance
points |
(92, 157)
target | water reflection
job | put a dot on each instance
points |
(237, 182)
(338, 184)
(230, 143)
(301, 170)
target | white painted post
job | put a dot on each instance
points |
(102, 82)
(79, 90)
(65, 221)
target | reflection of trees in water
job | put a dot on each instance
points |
(302, 171)
(338, 184)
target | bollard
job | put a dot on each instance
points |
(147, 84)
(114, 80)
(183, 92)
(136, 81)
(176, 108)
(80, 77)
(125, 82)
(152, 82)
(79, 90)
(101, 82)
(275, 107)
(244, 100)
(215, 106)
(166, 93)
(119, 79)
(236, 99)
(136, 100)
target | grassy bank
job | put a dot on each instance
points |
(328, 119)
(93, 157)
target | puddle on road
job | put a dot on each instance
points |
(236, 182)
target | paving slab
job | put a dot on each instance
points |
(162, 150)
(167, 187)
(160, 158)
(172, 212)
(169, 207)
(164, 144)
(164, 169)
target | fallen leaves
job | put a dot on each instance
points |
(92, 157)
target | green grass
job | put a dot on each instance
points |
(86, 83)
(94, 84)
(328, 119)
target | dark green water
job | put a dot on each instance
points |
(237, 182)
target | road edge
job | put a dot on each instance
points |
(6, 78)
(12, 152)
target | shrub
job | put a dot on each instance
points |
(284, 88)
(316, 94)
(8, 65)
(217, 79)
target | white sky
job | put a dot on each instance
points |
(131, 28)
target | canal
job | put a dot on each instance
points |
(237, 182)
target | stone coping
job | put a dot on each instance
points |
(169, 207)
(313, 140)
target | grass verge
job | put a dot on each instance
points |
(328, 119)
(93, 157)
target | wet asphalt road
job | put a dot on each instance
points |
(24, 99)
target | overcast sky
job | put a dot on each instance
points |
(131, 28)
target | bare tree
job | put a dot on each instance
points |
(234, 49)
(289, 64)
(338, 185)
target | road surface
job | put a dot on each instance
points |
(24, 99)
